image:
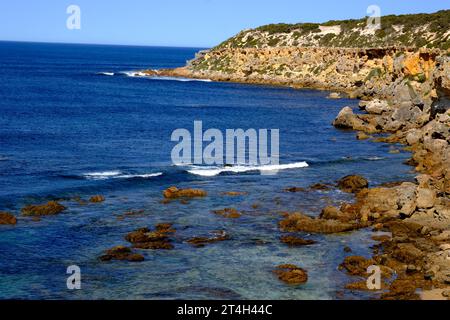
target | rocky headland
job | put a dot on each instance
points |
(401, 74)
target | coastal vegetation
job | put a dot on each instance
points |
(411, 30)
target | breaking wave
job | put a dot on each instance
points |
(118, 175)
(214, 171)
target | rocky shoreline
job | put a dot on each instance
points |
(404, 93)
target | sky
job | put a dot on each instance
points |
(183, 23)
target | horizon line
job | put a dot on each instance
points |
(105, 44)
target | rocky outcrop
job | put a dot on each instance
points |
(352, 183)
(291, 274)
(7, 218)
(299, 222)
(175, 193)
(97, 199)
(49, 209)
(217, 236)
(144, 238)
(228, 213)
(121, 253)
(294, 241)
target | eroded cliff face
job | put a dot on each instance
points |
(383, 72)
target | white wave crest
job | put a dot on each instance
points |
(106, 73)
(141, 74)
(145, 175)
(214, 171)
(134, 74)
(118, 175)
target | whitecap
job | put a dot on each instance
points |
(106, 73)
(214, 171)
(144, 176)
(102, 175)
(134, 74)
(118, 175)
(374, 158)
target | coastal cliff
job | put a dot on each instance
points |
(401, 74)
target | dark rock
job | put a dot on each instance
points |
(352, 183)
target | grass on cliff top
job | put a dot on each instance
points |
(413, 34)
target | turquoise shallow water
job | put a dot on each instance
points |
(63, 122)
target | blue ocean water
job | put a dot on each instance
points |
(73, 123)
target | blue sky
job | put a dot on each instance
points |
(196, 23)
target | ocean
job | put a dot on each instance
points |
(76, 122)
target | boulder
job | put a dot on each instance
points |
(406, 200)
(352, 183)
(299, 222)
(413, 136)
(7, 218)
(334, 95)
(377, 106)
(425, 198)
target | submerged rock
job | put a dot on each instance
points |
(51, 208)
(121, 253)
(202, 241)
(291, 274)
(7, 218)
(356, 265)
(144, 238)
(97, 199)
(228, 213)
(352, 183)
(296, 241)
(174, 193)
(235, 193)
(300, 222)
(294, 189)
